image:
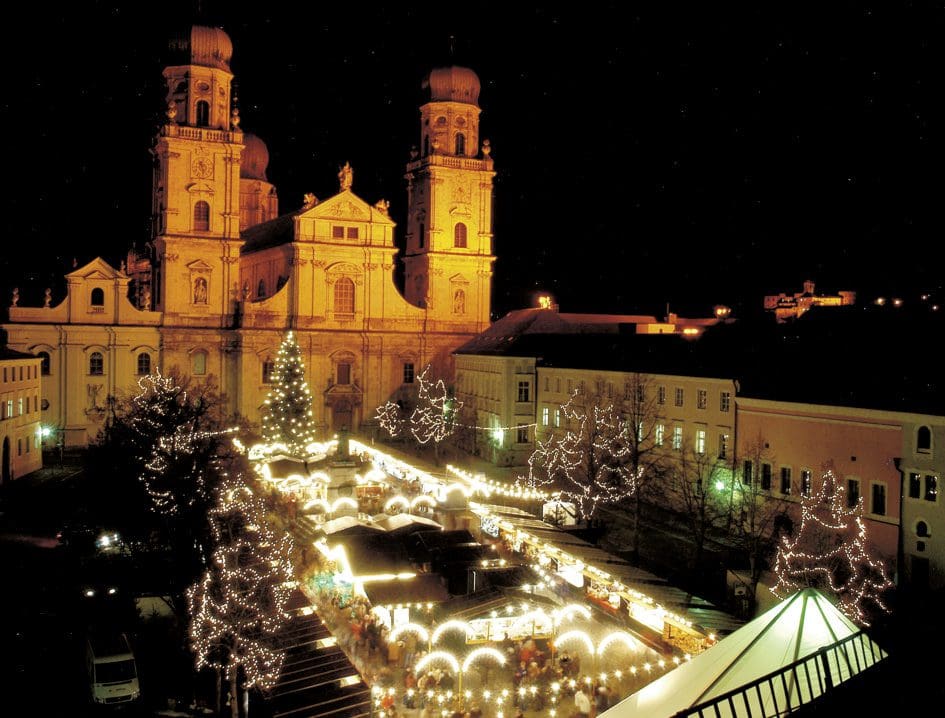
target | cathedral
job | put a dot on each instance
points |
(225, 275)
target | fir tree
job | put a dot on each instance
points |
(287, 413)
(829, 552)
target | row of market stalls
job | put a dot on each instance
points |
(426, 579)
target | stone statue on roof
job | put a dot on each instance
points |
(346, 177)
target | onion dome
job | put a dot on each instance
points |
(255, 158)
(205, 46)
(453, 84)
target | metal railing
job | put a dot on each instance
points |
(796, 685)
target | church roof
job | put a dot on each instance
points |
(453, 84)
(280, 230)
(200, 45)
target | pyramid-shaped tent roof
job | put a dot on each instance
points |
(790, 631)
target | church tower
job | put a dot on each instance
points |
(196, 184)
(448, 258)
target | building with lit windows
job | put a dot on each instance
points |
(225, 275)
(21, 446)
(775, 403)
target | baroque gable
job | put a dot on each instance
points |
(98, 268)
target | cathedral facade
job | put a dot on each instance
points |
(225, 276)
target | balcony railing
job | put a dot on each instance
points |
(790, 688)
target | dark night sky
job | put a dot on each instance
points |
(645, 154)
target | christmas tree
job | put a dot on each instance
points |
(287, 413)
(829, 552)
(238, 606)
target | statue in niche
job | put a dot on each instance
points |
(346, 177)
(459, 302)
(93, 390)
(200, 290)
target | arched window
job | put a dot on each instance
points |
(426, 145)
(96, 364)
(203, 113)
(202, 216)
(923, 440)
(198, 363)
(261, 289)
(423, 232)
(144, 364)
(97, 298)
(459, 235)
(922, 529)
(45, 363)
(460, 143)
(268, 367)
(344, 373)
(344, 296)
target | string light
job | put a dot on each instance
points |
(287, 416)
(842, 564)
(588, 464)
(239, 604)
(435, 416)
(175, 465)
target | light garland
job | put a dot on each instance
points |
(589, 465)
(552, 695)
(844, 566)
(287, 411)
(239, 604)
(435, 416)
(174, 466)
(643, 604)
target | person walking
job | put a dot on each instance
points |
(582, 703)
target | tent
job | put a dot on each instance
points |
(790, 631)
(406, 523)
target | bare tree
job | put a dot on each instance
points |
(647, 459)
(433, 417)
(758, 515)
(589, 462)
(697, 488)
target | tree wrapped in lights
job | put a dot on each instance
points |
(391, 418)
(287, 412)
(238, 606)
(590, 463)
(829, 552)
(434, 416)
(432, 420)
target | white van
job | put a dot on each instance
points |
(113, 676)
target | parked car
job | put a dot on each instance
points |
(113, 674)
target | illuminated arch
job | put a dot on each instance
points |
(344, 501)
(580, 635)
(437, 656)
(421, 632)
(396, 500)
(455, 624)
(627, 639)
(484, 651)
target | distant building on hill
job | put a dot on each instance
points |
(792, 306)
